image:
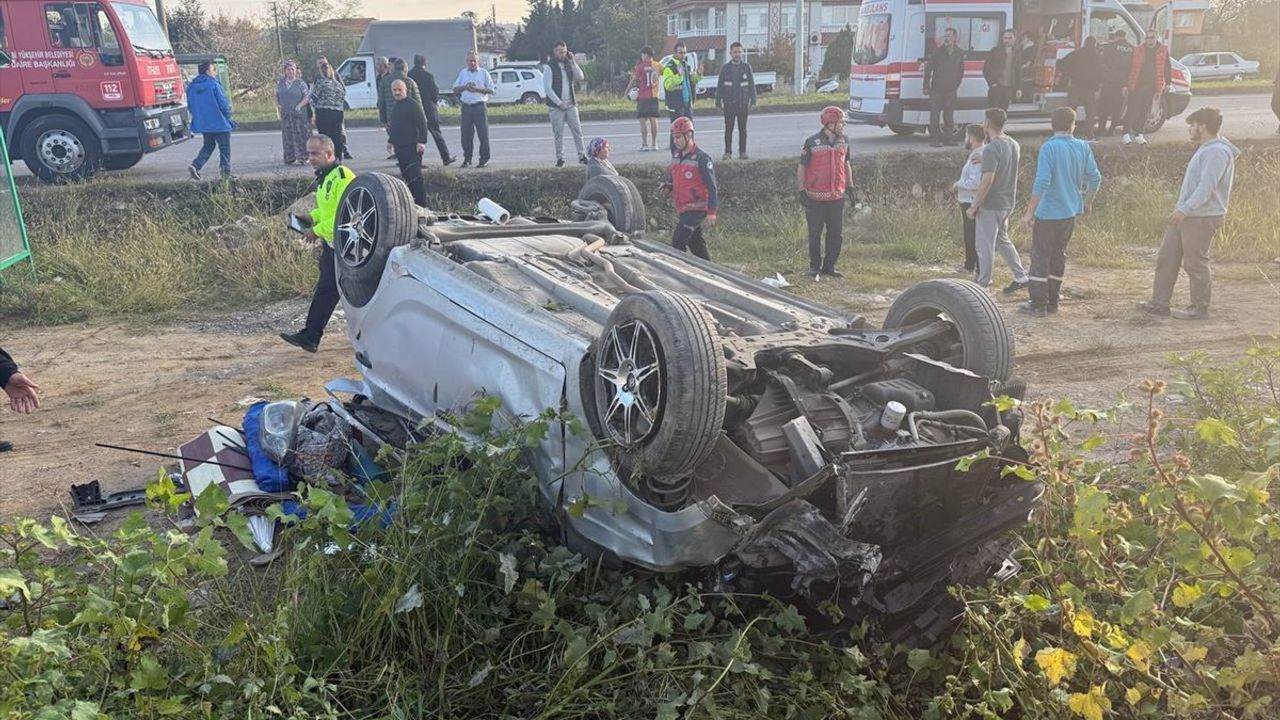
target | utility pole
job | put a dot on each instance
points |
(275, 13)
(801, 37)
(164, 21)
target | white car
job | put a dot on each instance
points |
(521, 85)
(1219, 66)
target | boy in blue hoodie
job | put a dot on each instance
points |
(1190, 229)
(211, 117)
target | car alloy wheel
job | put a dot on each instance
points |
(630, 376)
(358, 233)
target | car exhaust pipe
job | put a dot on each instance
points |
(449, 233)
(493, 211)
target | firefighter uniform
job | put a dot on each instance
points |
(693, 189)
(824, 162)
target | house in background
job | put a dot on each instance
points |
(707, 27)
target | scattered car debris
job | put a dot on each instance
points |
(89, 505)
(777, 281)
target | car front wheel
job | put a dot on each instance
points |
(660, 384)
(376, 213)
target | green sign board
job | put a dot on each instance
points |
(14, 247)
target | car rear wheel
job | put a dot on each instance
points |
(902, 130)
(57, 148)
(620, 198)
(659, 386)
(979, 341)
(376, 213)
(530, 98)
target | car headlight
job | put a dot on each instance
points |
(279, 428)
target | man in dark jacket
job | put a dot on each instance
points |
(408, 132)
(736, 94)
(1083, 70)
(943, 72)
(430, 97)
(24, 395)
(398, 70)
(211, 117)
(1001, 69)
(1117, 57)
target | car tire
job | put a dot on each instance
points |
(58, 148)
(659, 384)
(530, 98)
(121, 162)
(1237, 77)
(902, 130)
(620, 198)
(986, 345)
(375, 215)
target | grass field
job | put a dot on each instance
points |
(152, 252)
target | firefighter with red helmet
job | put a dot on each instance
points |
(693, 189)
(823, 179)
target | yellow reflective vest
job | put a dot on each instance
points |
(328, 192)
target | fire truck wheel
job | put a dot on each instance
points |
(58, 148)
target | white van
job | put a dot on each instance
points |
(886, 85)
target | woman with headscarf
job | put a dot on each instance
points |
(328, 98)
(598, 158)
(292, 102)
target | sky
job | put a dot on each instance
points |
(508, 10)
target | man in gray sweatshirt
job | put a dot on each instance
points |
(1201, 208)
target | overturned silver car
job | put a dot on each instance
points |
(772, 442)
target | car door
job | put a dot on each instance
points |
(532, 83)
(358, 77)
(506, 86)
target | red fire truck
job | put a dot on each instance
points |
(87, 86)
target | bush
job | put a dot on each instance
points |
(1150, 589)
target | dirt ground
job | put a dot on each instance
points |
(154, 386)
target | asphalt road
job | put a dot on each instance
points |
(775, 135)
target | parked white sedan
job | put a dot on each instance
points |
(1219, 66)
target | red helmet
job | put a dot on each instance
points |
(832, 113)
(681, 126)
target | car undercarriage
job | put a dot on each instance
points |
(769, 442)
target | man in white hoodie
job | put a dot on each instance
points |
(1201, 208)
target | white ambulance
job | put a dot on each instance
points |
(887, 78)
